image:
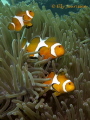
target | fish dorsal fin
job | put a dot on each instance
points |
(50, 41)
(62, 77)
(33, 44)
(35, 40)
(62, 73)
(51, 75)
(18, 11)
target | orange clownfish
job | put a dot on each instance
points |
(48, 47)
(21, 19)
(60, 83)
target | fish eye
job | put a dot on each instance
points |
(30, 11)
(69, 83)
(59, 46)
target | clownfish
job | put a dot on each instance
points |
(60, 83)
(48, 47)
(22, 18)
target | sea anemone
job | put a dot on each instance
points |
(22, 94)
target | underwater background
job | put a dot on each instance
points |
(22, 94)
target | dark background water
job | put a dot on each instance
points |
(54, 5)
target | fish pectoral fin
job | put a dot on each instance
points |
(25, 18)
(51, 39)
(56, 93)
(56, 87)
(29, 24)
(44, 51)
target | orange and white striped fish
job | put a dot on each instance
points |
(60, 83)
(48, 47)
(22, 18)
